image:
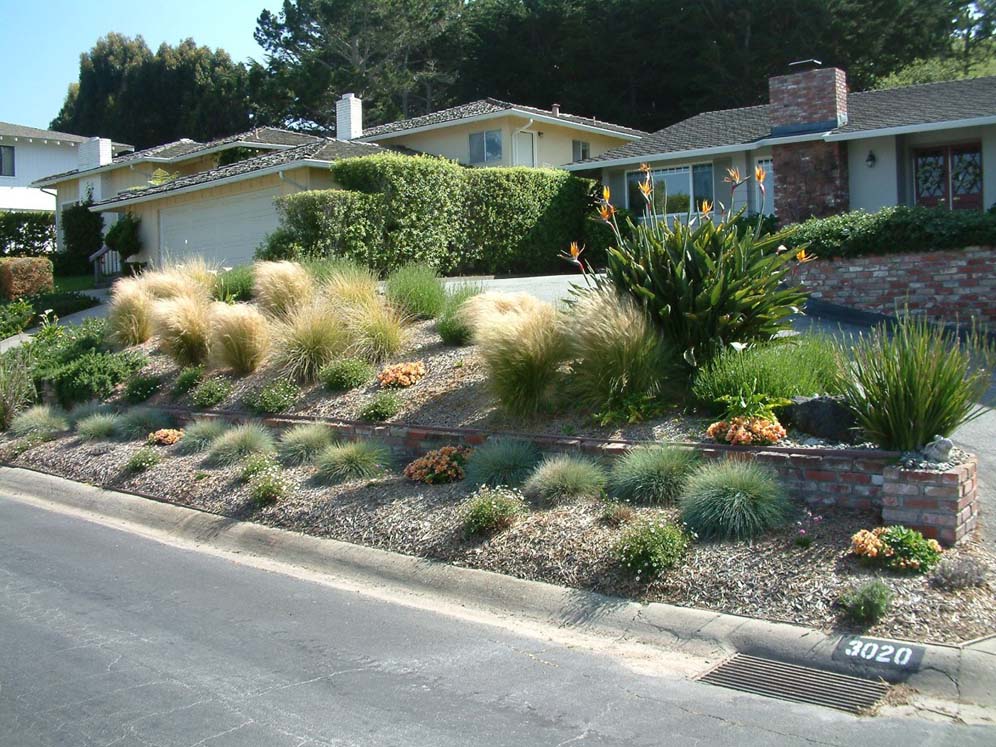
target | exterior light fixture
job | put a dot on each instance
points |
(871, 160)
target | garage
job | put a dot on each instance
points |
(223, 230)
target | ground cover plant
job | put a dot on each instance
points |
(492, 509)
(345, 373)
(382, 406)
(144, 459)
(866, 604)
(277, 396)
(188, 378)
(211, 392)
(649, 549)
(140, 387)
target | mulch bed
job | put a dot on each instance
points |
(570, 544)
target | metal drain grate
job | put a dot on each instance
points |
(802, 684)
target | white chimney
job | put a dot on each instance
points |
(348, 117)
(94, 152)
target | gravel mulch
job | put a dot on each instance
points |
(570, 545)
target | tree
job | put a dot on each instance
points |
(130, 94)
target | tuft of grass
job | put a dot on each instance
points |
(733, 500)
(200, 434)
(564, 477)
(101, 426)
(240, 336)
(378, 330)
(382, 406)
(40, 422)
(302, 443)
(281, 287)
(866, 604)
(139, 422)
(211, 392)
(140, 387)
(277, 396)
(417, 291)
(183, 325)
(144, 459)
(649, 548)
(346, 373)
(651, 474)
(502, 461)
(239, 442)
(86, 409)
(17, 388)
(959, 573)
(916, 381)
(494, 307)
(491, 510)
(451, 323)
(352, 461)
(344, 281)
(310, 338)
(187, 379)
(129, 314)
(234, 285)
(616, 514)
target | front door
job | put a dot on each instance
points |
(949, 177)
(524, 149)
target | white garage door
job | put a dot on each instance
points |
(225, 230)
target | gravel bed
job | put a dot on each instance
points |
(569, 545)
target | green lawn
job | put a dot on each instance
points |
(73, 283)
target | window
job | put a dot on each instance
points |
(677, 190)
(766, 203)
(485, 147)
(6, 160)
(948, 176)
(580, 150)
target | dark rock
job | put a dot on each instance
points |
(824, 417)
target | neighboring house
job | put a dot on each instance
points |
(27, 154)
(213, 199)
(490, 133)
(825, 150)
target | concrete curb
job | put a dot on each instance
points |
(964, 673)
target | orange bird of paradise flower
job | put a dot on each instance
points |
(645, 168)
(759, 174)
(646, 187)
(733, 176)
(606, 194)
(606, 212)
(803, 257)
(706, 207)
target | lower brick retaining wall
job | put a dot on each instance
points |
(942, 505)
(943, 285)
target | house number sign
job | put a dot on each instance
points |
(879, 653)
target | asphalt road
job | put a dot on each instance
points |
(110, 638)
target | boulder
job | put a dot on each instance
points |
(827, 418)
(938, 450)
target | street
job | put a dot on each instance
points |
(112, 638)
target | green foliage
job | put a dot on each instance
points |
(300, 444)
(733, 500)
(82, 229)
(140, 387)
(416, 291)
(17, 388)
(899, 549)
(651, 474)
(915, 381)
(86, 409)
(256, 464)
(346, 373)
(200, 434)
(239, 442)
(211, 392)
(26, 234)
(144, 459)
(502, 461)
(93, 375)
(40, 422)
(354, 460)
(560, 478)
(15, 317)
(269, 486)
(123, 237)
(234, 285)
(187, 379)
(378, 329)
(868, 603)
(311, 338)
(450, 324)
(61, 303)
(802, 366)
(650, 548)
(382, 406)
(100, 426)
(138, 422)
(274, 397)
(328, 223)
(490, 510)
(749, 404)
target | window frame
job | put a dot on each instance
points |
(770, 199)
(690, 166)
(484, 138)
(13, 162)
(948, 149)
(580, 150)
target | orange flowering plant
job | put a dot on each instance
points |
(164, 437)
(897, 548)
(401, 375)
(749, 419)
(438, 466)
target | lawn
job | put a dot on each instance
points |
(73, 283)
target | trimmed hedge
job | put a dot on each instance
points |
(24, 234)
(25, 276)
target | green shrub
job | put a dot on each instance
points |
(61, 304)
(896, 548)
(256, 464)
(651, 474)
(82, 229)
(416, 291)
(650, 548)
(145, 458)
(276, 396)
(733, 500)
(239, 442)
(300, 444)
(450, 324)
(187, 379)
(211, 392)
(101, 426)
(916, 381)
(40, 422)
(139, 388)
(269, 486)
(564, 477)
(93, 375)
(352, 461)
(868, 603)
(502, 461)
(17, 388)
(382, 406)
(200, 434)
(124, 236)
(139, 422)
(234, 285)
(801, 366)
(491, 510)
(346, 373)
(26, 234)
(15, 317)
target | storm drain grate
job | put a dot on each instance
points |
(776, 679)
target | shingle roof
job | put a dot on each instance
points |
(923, 104)
(319, 149)
(9, 129)
(491, 106)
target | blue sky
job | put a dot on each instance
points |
(41, 42)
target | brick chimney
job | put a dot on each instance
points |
(348, 117)
(94, 152)
(809, 99)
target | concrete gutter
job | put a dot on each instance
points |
(966, 673)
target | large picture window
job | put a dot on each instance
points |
(485, 147)
(948, 176)
(677, 191)
(6, 160)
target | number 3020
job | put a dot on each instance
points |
(885, 653)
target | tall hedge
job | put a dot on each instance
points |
(26, 234)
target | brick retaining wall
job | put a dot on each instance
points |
(943, 285)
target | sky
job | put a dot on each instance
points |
(41, 41)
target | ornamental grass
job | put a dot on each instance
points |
(129, 314)
(281, 287)
(183, 326)
(240, 337)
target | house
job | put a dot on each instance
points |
(215, 199)
(27, 154)
(825, 150)
(490, 132)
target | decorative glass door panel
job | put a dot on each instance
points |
(930, 175)
(966, 177)
(949, 176)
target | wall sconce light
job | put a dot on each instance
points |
(871, 160)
